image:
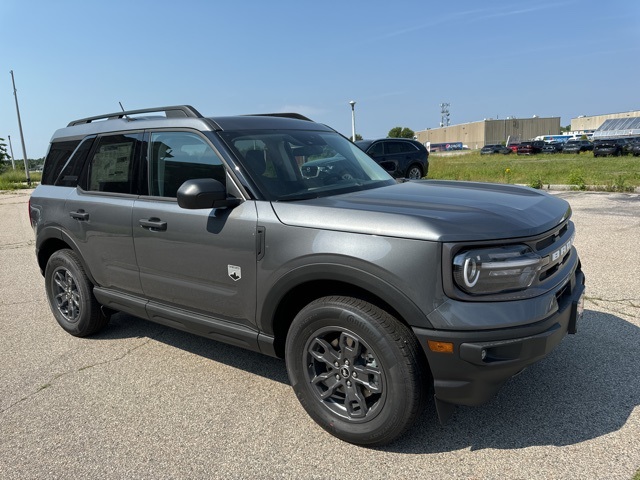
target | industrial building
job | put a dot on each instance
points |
(592, 123)
(495, 131)
(491, 131)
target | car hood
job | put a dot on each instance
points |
(432, 210)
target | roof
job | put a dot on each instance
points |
(183, 116)
(618, 127)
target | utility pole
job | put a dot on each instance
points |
(24, 149)
(444, 114)
(13, 163)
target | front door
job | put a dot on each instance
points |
(203, 261)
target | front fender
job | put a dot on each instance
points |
(330, 270)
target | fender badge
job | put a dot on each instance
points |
(234, 272)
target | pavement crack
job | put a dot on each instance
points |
(118, 358)
(76, 370)
(619, 306)
(14, 246)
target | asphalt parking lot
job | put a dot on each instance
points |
(140, 400)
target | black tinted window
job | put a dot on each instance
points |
(399, 147)
(72, 170)
(112, 165)
(376, 149)
(58, 155)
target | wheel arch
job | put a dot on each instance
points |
(301, 286)
(50, 241)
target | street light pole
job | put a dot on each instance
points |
(353, 120)
(13, 163)
(24, 149)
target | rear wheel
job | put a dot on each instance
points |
(414, 172)
(357, 371)
(71, 296)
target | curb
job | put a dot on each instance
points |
(587, 188)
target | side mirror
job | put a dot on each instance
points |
(203, 193)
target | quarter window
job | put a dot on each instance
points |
(58, 155)
(176, 157)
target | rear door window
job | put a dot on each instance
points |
(112, 166)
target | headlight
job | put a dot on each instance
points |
(496, 270)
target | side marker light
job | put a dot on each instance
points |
(440, 347)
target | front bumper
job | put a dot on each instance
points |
(482, 361)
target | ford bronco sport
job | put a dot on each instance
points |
(277, 234)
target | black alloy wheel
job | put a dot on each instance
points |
(70, 295)
(357, 371)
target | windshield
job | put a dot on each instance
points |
(300, 164)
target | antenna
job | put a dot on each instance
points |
(124, 111)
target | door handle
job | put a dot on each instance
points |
(80, 215)
(153, 224)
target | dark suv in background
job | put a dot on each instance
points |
(609, 146)
(491, 149)
(277, 234)
(400, 157)
(577, 146)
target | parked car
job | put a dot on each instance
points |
(608, 146)
(552, 147)
(491, 149)
(400, 157)
(531, 147)
(634, 148)
(630, 145)
(577, 146)
(513, 147)
(378, 295)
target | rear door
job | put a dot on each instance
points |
(98, 211)
(203, 261)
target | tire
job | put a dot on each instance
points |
(414, 172)
(356, 370)
(70, 295)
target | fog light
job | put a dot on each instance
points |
(483, 354)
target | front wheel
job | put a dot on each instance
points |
(71, 297)
(357, 371)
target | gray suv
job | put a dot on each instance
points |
(277, 234)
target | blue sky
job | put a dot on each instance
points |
(397, 59)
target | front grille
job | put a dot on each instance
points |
(556, 248)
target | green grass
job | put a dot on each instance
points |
(16, 179)
(615, 174)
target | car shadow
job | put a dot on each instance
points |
(124, 326)
(585, 389)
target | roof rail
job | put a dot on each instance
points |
(177, 111)
(286, 115)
